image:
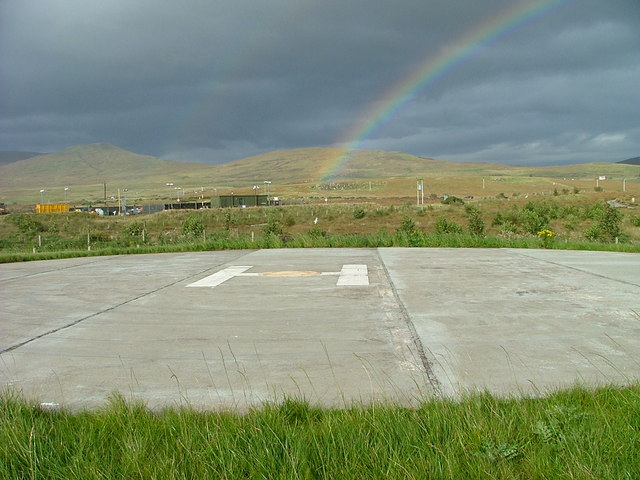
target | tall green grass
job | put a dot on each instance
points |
(245, 242)
(572, 434)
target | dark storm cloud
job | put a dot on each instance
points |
(219, 80)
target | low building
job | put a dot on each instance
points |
(227, 201)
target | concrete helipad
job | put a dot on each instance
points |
(336, 326)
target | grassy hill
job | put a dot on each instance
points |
(631, 161)
(88, 164)
(85, 169)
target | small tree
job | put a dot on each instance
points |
(607, 228)
(193, 226)
(445, 226)
(475, 221)
(273, 227)
(609, 224)
(409, 231)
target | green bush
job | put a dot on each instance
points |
(26, 223)
(475, 221)
(134, 229)
(273, 227)
(453, 200)
(193, 225)
(446, 226)
(359, 213)
(608, 225)
(316, 232)
(408, 233)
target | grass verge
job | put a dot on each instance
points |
(574, 433)
(381, 239)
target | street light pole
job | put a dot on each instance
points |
(169, 185)
(266, 188)
(42, 196)
(66, 189)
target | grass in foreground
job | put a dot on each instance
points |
(573, 434)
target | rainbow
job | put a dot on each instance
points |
(431, 71)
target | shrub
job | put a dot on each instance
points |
(193, 225)
(228, 220)
(498, 220)
(316, 232)
(134, 229)
(475, 221)
(536, 216)
(509, 228)
(410, 233)
(407, 226)
(607, 228)
(273, 227)
(359, 213)
(453, 200)
(610, 222)
(26, 223)
(446, 226)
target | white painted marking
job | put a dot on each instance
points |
(350, 275)
(219, 277)
(353, 275)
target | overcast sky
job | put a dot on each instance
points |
(218, 80)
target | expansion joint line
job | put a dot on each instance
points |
(112, 307)
(426, 365)
(68, 267)
(579, 270)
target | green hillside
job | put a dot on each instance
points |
(85, 169)
(88, 164)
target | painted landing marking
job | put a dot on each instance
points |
(350, 275)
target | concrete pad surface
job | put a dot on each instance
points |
(336, 326)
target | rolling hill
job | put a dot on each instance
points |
(90, 164)
(631, 161)
(88, 169)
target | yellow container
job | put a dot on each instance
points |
(52, 207)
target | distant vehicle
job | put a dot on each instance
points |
(3, 209)
(469, 197)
